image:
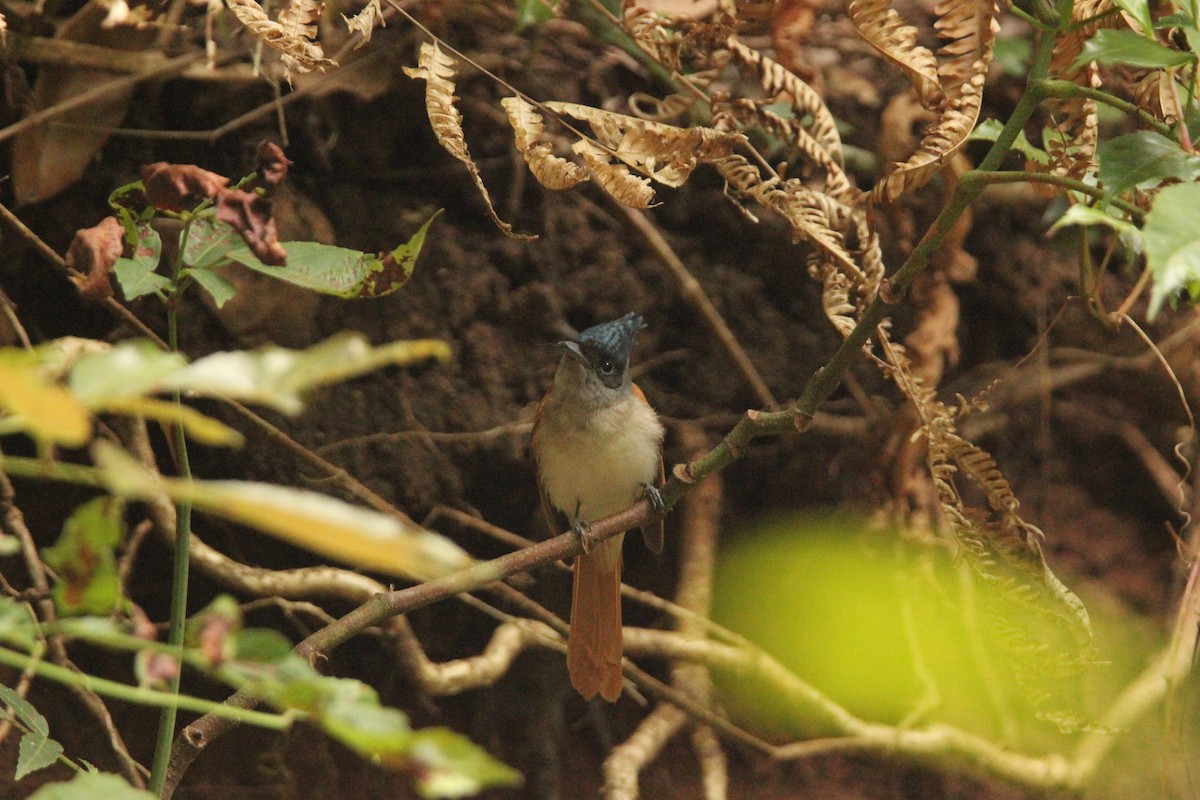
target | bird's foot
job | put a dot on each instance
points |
(584, 531)
(654, 497)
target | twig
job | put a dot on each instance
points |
(14, 523)
(54, 258)
(177, 64)
(694, 293)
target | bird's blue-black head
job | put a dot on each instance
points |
(606, 347)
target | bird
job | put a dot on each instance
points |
(597, 444)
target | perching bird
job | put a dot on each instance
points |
(598, 447)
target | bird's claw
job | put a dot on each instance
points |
(584, 531)
(655, 498)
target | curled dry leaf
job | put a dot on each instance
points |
(93, 252)
(437, 70)
(896, 40)
(250, 215)
(271, 164)
(364, 22)
(173, 187)
(665, 153)
(778, 83)
(623, 185)
(968, 28)
(550, 170)
(293, 35)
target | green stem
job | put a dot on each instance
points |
(179, 582)
(987, 178)
(141, 695)
(1065, 89)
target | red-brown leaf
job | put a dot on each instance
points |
(250, 215)
(170, 187)
(272, 164)
(93, 252)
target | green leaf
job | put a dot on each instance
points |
(1143, 159)
(450, 765)
(1129, 47)
(1173, 244)
(84, 558)
(92, 786)
(279, 377)
(319, 523)
(531, 12)
(36, 751)
(989, 130)
(339, 271)
(220, 288)
(128, 369)
(24, 711)
(1088, 216)
(1140, 11)
(352, 715)
(209, 242)
(265, 645)
(137, 275)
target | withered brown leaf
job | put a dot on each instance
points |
(170, 187)
(93, 252)
(250, 215)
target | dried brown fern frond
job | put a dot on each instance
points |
(969, 30)
(780, 84)
(896, 40)
(437, 70)
(550, 170)
(617, 180)
(293, 34)
(665, 153)
(364, 21)
(1073, 154)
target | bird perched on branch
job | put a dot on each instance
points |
(598, 447)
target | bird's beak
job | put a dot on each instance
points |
(571, 349)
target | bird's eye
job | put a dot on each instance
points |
(607, 367)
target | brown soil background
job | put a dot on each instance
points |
(373, 168)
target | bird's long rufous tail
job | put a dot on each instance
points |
(594, 645)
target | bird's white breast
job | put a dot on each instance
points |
(598, 463)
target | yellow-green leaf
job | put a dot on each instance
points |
(40, 407)
(204, 429)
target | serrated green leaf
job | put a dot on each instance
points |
(209, 242)
(24, 711)
(1087, 216)
(1140, 11)
(1172, 243)
(1143, 159)
(989, 129)
(92, 786)
(1124, 46)
(136, 274)
(84, 559)
(450, 765)
(138, 278)
(219, 288)
(38, 406)
(340, 271)
(36, 751)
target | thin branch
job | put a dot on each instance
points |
(694, 293)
